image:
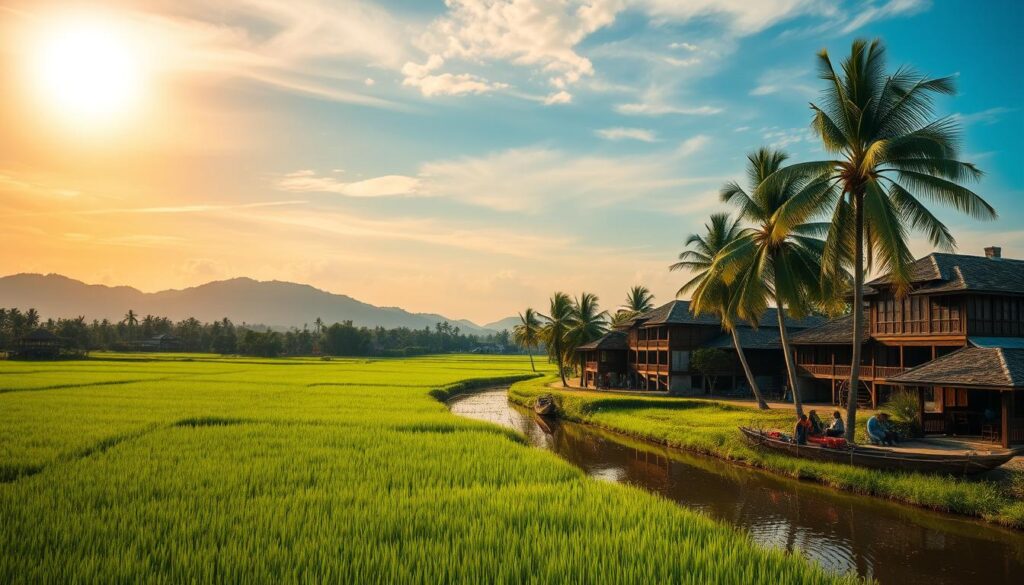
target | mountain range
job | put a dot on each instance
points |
(243, 300)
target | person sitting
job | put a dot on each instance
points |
(879, 431)
(836, 428)
(803, 427)
(817, 428)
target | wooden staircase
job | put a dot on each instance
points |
(863, 396)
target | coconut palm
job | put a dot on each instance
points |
(588, 323)
(131, 319)
(31, 318)
(639, 300)
(526, 333)
(890, 153)
(556, 323)
(698, 258)
(776, 260)
(318, 325)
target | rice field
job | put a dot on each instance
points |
(199, 468)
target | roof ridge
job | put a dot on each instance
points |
(1004, 365)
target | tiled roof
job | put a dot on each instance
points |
(971, 366)
(611, 340)
(678, 313)
(750, 338)
(836, 331)
(940, 272)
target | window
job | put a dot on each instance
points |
(681, 361)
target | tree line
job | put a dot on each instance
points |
(805, 234)
(225, 337)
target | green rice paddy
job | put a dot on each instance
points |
(197, 468)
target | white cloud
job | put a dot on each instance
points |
(620, 133)
(692, 145)
(987, 116)
(687, 46)
(871, 13)
(660, 109)
(560, 97)
(793, 81)
(742, 17)
(387, 185)
(430, 84)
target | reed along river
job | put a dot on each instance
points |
(891, 543)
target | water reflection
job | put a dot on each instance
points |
(888, 542)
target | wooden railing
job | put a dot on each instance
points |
(592, 366)
(837, 371)
(1017, 430)
(651, 368)
(649, 344)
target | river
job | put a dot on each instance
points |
(889, 542)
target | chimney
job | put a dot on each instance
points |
(993, 252)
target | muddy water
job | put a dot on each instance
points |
(889, 542)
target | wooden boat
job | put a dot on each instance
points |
(958, 463)
(545, 405)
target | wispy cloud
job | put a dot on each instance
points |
(987, 116)
(795, 82)
(892, 8)
(307, 181)
(620, 133)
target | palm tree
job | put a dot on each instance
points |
(639, 300)
(131, 320)
(31, 318)
(526, 333)
(556, 324)
(587, 324)
(778, 259)
(318, 325)
(699, 257)
(890, 153)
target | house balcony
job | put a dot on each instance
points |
(651, 369)
(649, 345)
(837, 372)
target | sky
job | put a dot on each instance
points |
(466, 157)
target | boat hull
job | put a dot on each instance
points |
(879, 458)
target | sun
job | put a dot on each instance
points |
(87, 70)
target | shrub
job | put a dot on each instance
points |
(904, 408)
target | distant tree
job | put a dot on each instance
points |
(711, 362)
(31, 319)
(318, 325)
(527, 333)
(131, 320)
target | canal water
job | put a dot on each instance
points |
(889, 542)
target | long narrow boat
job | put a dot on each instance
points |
(958, 463)
(545, 405)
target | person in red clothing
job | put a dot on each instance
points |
(803, 429)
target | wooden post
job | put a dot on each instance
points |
(901, 358)
(1007, 396)
(920, 407)
(874, 396)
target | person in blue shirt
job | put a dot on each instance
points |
(879, 431)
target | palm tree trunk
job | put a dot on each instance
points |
(533, 367)
(746, 370)
(790, 366)
(858, 317)
(561, 364)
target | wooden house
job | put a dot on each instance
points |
(38, 344)
(652, 352)
(958, 308)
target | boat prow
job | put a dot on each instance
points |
(893, 459)
(545, 405)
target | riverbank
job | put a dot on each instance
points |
(710, 427)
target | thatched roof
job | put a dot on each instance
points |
(615, 340)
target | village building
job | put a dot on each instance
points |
(653, 352)
(956, 338)
(38, 344)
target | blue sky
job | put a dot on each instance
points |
(470, 157)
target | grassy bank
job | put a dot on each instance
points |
(244, 470)
(711, 427)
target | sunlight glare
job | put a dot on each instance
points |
(88, 71)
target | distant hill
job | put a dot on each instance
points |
(506, 323)
(272, 303)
